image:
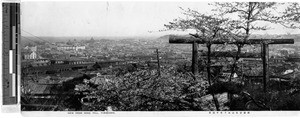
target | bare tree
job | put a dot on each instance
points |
(290, 17)
(208, 28)
(232, 22)
(248, 14)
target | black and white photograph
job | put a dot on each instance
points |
(159, 56)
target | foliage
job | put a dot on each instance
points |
(144, 90)
(229, 87)
(290, 16)
(125, 69)
(276, 99)
(207, 27)
(247, 13)
(183, 67)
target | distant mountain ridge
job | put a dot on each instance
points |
(296, 37)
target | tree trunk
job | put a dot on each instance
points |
(209, 76)
(233, 69)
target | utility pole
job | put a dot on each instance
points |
(158, 64)
(195, 58)
(265, 59)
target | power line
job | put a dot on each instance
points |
(28, 39)
(35, 36)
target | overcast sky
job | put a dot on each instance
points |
(100, 18)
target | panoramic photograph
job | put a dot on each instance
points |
(160, 56)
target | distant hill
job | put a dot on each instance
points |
(163, 39)
(296, 37)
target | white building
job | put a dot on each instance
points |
(76, 48)
(30, 55)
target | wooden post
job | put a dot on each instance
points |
(209, 76)
(208, 63)
(265, 59)
(158, 64)
(243, 79)
(195, 59)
